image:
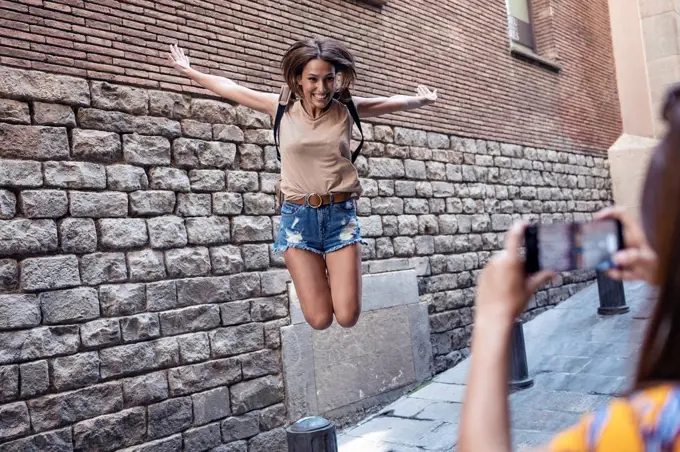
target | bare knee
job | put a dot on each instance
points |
(319, 320)
(349, 315)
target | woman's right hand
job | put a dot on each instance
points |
(178, 59)
(637, 261)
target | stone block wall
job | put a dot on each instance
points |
(140, 302)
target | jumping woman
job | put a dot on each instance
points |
(319, 232)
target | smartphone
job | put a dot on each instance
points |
(572, 246)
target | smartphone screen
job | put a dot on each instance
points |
(573, 246)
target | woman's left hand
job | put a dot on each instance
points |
(503, 290)
(429, 96)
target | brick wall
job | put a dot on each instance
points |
(461, 48)
(138, 292)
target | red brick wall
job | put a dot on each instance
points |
(459, 47)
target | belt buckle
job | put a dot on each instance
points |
(310, 197)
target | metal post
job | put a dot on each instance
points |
(312, 434)
(519, 368)
(612, 296)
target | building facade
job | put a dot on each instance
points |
(139, 296)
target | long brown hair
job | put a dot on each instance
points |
(302, 52)
(660, 356)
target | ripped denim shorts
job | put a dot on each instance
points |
(320, 230)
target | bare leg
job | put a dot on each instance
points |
(344, 272)
(308, 271)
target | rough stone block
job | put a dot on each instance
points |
(43, 203)
(227, 132)
(13, 111)
(207, 180)
(9, 275)
(208, 230)
(170, 416)
(161, 296)
(145, 389)
(110, 432)
(72, 305)
(100, 333)
(108, 96)
(126, 178)
(226, 259)
(75, 175)
(207, 437)
(236, 340)
(44, 273)
(242, 181)
(235, 312)
(191, 153)
(227, 203)
(256, 256)
(122, 299)
(211, 405)
(251, 229)
(9, 383)
(100, 268)
(254, 394)
(152, 202)
(33, 142)
(194, 204)
(146, 265)
(69, 372)
(194, 348)
(96, 145)
(203, 290)
(167, 232)
(169, 105)
(122, 233)
(42, 86)
(173, 179)
(194, 318)
(259, 204)
(140, 327)
(78, 235)
(115, 121)
(200, 377)
(146, 150)
(35, 379)
(133, 358)
(261, 363)
(14, 420)
(20, 173)
(58, 440)
(196, 129)
(53, 115)
(98, 205)
(212, 111)
(187, 262)
(51, 411)
(27, 236)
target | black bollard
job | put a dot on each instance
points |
(312, 434)
(519, 368)
(612, 296)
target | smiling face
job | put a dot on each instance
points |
(317, 83)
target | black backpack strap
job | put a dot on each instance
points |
(284, 98)
(355, 116)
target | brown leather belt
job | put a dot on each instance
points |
(316, 200)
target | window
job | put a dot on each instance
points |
(520, 24)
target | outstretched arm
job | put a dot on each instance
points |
(230, 90)
(376, 106)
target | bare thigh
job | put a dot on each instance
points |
(344, 273)
(308, 271)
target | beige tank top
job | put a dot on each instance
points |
(315, 153)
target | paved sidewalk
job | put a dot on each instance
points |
(578, 360)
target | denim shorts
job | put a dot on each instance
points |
(320, 230)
